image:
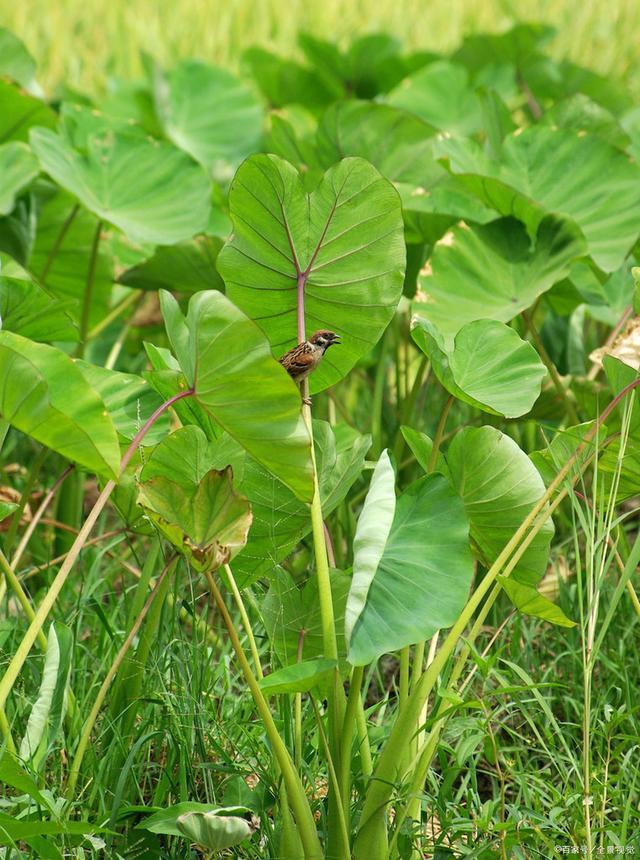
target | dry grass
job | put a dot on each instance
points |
(84, 41)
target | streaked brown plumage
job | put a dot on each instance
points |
(303, 359)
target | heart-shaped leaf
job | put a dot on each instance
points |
(46, 396)
(421, 560)
(210, 114)
(18, 166)
(199, 513)
(499, 486)
(28, 310)
(227, 359)
(491, 272)
(489, 365)
(546, 170)
(341, 248)
(151, 191)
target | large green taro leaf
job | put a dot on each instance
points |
(342, 244)
(412, 565)
(45, 395)
(393, 140)
(29, 310)
(61, 255)
(186, 267)
(499, 486)
(280, 520)
(227, 360)
(129, 399)
(489, 365)
(19, 112)
(210, 114)
(193, 505)
(545, 170)
(492, 272)
(150, 190)
(441, 95)
(18, 166)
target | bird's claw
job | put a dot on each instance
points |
(306, 401)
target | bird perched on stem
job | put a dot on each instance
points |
(303, 359)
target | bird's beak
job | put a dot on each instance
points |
(336, 339)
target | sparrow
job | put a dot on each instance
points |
(303, 359)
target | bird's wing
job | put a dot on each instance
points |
(298, 360)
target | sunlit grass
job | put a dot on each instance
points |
(83, 42)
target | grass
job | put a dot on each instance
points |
(510, 767)
(83, 42)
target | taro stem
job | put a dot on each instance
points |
(88, 290)
(325, 599)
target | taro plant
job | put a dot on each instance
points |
(466, 225)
